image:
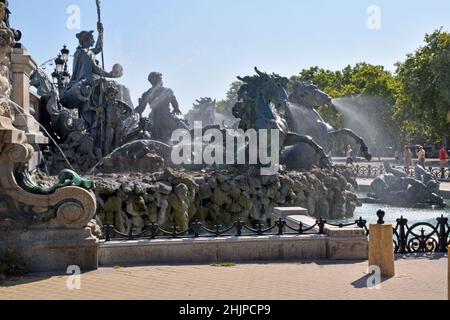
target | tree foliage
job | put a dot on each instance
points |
(423, 96)
(226, 105)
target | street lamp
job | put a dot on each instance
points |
(61, 76)
(55, 76)
(59, 63)
(65, 53)
(65, 76)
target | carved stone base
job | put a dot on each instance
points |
(44, 250)
(48, 231)
(9, 134)
(28, 124)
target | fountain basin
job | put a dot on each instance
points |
(414, 215)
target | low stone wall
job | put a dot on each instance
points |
(233, 249)
(212, 250)
(349, 243)
(218, 197)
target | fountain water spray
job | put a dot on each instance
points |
(361, 114)
(20, 109)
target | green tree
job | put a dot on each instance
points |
(226, 105)
(423, 95)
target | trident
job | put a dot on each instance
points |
(99, 14)
(102, 129)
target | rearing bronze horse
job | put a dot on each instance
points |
(303, 118)
(262, 104)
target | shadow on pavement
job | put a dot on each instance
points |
(365, 282)
(423, 256)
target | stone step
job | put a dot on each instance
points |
(282, 213)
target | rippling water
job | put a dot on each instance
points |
(368, 212)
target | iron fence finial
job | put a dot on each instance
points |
(381, 214)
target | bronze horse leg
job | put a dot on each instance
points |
(347, 132)
(292, 139)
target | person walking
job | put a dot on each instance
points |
(349, 155)
(397, 157)
(408, 159)
(421, 154)
(443, 156)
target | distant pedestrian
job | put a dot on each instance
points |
(408, 159)
(349, 155)
(443, 156)
(421, 154)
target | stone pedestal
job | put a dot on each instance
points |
(381, 249)
(21, 67)
(48, 229)
(46, 250)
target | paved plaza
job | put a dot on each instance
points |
(419, 278)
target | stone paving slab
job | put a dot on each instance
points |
(417, 279)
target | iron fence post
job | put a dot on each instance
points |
(363, 225)
(153, 230)
(218, 227)
(260, 228)
(360, 223)
(402, 241)
(300, 231)
(280, 225)
(174, 231)
(239, 228)
(321, 224)
(130, 234)
(107, 233)
(196, 227)
(443, 234)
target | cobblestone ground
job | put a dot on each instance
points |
(417, 278)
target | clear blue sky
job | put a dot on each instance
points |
(202, 45)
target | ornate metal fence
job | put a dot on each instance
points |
(417, 238)
(421, 237)
(375, 171)
(237, 229)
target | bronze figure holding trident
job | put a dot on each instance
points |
(86, 89)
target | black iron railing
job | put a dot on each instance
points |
(421, 237)
(197, 230)
(370, 171)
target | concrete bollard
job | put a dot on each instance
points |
(381, 247)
